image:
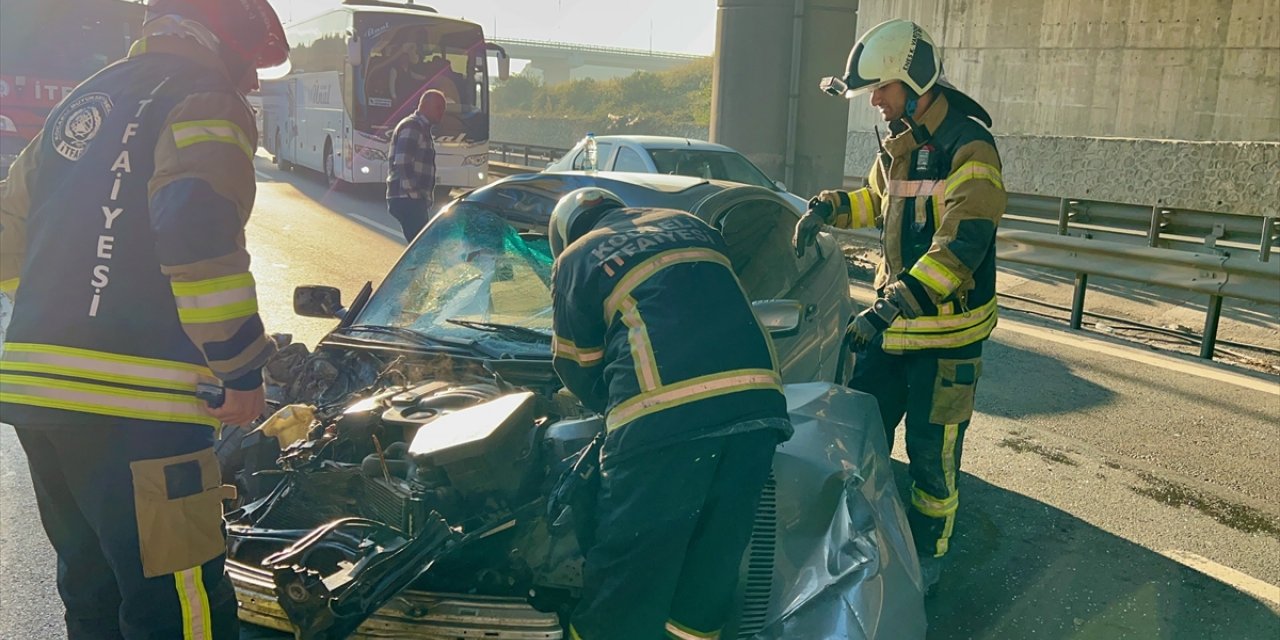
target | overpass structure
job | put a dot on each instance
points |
(559, 60)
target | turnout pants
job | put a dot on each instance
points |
(672, 528)
(134, 512)
(936, 393)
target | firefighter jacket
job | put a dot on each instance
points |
(123, 236)
(653, 330)
(937, 195)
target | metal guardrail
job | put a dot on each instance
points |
(1221, 255)
(533, 157)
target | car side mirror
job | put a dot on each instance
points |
(781, 318)
(318, 301)
(779, 184)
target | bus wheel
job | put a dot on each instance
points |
(330, 169)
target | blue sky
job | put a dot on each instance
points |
(684, 26)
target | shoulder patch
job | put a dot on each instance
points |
(78, 124)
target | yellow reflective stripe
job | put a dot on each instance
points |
(863, 211)
(194, 132)
(646, 269)
(934, 507)
(681, 632)
(970, 170)
(944, 323)
(573, 633)
(196, 622)
(212, 285)
(107, 361)
(641, 348)
(935, 275)
(9, 286)
(899, 341)
(950, 433)
(561, 348)
(913, 188)
(88, 374)
(692, 390)
(219, 313)
(103, 400)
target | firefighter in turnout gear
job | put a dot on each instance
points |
(653, 331)
(123, 246)
(936, 193)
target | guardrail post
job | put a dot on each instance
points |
(1270, 237)
(1159, 220)
(1210, 339)
(1077, 301)
(1062, 216)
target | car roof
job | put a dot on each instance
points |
(527, 199)
(666, 142)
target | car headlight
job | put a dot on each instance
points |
(476, 160)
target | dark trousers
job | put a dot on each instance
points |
(412, 213)
(673, 525)
(133, 510)
(936, 395)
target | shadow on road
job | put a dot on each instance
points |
(1017, 383)
(1024, 569)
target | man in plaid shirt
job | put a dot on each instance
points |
(411, 181)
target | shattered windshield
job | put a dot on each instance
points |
(470, 276)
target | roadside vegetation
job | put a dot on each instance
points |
(667, 101)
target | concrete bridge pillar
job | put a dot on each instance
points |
(765, 102)
(554, 70)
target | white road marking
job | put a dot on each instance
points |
(1244, 582)
(398, 234)
(865, 297)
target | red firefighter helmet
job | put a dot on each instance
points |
(249, 30)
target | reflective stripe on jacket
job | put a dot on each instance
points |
(123, 229)
(938, 194)
(653, 329)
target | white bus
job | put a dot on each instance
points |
(358, 69)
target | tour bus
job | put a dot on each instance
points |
(358, 69)
(47, 47)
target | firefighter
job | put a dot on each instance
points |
(936, 192)
(123, 236)
(653, 331)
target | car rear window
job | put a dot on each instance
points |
(709, 165)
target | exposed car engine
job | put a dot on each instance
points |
(429, 471)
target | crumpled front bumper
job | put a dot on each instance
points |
(412, 614)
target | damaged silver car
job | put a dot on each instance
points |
(424, 479)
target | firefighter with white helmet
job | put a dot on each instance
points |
(937, 193)
(122, 242)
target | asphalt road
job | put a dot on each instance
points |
(1108, 491)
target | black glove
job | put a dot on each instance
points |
(868, 325)
(810, 224)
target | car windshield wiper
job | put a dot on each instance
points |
(412, 336)
(513, 330)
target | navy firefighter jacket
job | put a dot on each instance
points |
(123, 245)
(653, 329)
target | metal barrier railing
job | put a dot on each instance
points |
(533, 157)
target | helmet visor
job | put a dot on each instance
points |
(277, 71)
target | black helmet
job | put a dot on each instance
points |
(576, 214)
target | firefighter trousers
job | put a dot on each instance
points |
(133, 510)
(672, 527)
(936, 393)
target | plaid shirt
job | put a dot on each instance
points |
(413, 160)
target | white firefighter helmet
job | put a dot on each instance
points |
(898, 50)
(576, 213)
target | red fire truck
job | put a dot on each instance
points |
(47, 47)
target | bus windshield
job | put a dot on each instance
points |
(403, 56)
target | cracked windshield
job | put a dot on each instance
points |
(468, 265)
